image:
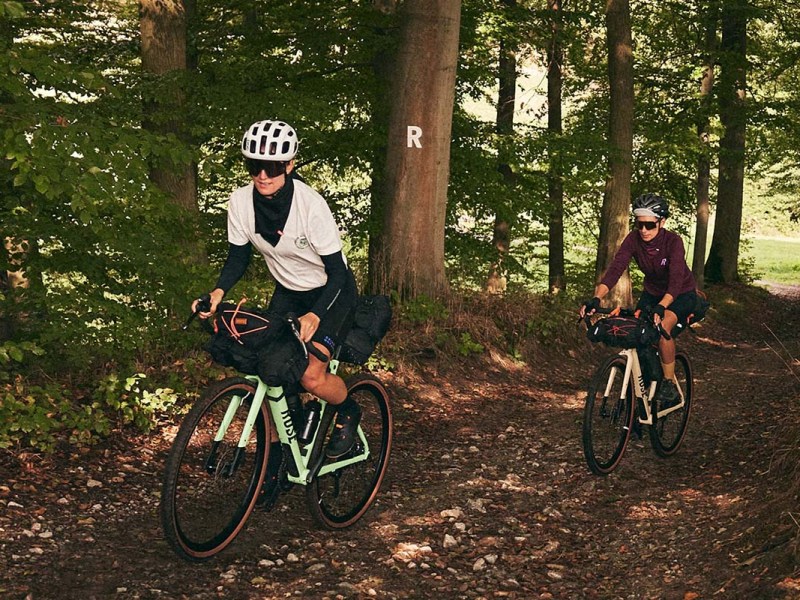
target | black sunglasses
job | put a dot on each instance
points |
(272, 168)
(649, 225)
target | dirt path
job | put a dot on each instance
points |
(488, 497)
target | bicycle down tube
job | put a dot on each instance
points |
(284, 426)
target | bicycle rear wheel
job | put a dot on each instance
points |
(337, 500)
(607, 417)
(667, 432)
(210, 488)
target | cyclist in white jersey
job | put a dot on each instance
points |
(292, 227)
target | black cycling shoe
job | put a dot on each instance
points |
(271, 488)
(344, 431)
(668, 394)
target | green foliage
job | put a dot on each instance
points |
(17, 352)
(423, 309)
(106, 253)
(467, 346)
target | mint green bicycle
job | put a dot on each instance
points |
(218, 461)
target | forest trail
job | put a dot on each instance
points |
(487, 496)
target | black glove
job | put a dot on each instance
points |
(591, 305)
(658, 309)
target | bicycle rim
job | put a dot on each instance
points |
(208, 492)
(339, 499)
(607, 417)
(667, 433)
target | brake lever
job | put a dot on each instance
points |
(203, 305)
(308, 347)
(295, 327)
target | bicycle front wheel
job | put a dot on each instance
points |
(210, 484)
(607, 417)
(667, 432)
(340, 498)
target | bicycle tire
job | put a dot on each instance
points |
(338, 499)
(667, 433)
(607, 420)
(204, 506)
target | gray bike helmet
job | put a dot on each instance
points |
(650, 205)
(270, 140)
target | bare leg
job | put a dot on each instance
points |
(324, 385)
(667, 347)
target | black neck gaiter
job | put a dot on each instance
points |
(272, 213)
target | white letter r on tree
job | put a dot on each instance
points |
(414, 135)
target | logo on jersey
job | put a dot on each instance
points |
(301, 242)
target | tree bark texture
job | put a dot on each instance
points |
(418, 152)
(723, 259)
(382, 67)
(616, 200)
(496, 282)
(704, 160)
(555, 187)
(163, 27)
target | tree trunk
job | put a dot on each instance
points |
(704, 161)
(506, 100)
(163, 27)
(616, 200)
(555, 186)
(723, 258)
(418, 153)
(382, 67)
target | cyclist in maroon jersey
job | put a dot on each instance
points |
(669, 287)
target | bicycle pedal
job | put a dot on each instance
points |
(285, 484)
(637, 428)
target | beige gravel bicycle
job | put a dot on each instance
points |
(621, 400)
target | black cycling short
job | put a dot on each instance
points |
(334, 324)
(683, 306)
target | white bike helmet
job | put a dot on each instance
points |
(270, 140)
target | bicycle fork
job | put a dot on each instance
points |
(235, 403)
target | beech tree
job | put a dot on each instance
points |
(555, 186)
(711, 18)
(163, 28)
(506, 103)
(617, 197)
(418, 151)
(723, 259)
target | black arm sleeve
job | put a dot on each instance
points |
(337, 277)
(235, 266)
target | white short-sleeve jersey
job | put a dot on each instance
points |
(310, 232)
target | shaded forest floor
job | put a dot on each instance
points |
(487, 495)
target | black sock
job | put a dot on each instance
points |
(274, 459)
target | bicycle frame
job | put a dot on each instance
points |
(633, 370)
(281, 417)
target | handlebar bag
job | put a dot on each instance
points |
(623, 332)
(242, 334)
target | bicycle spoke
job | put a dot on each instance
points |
(211, 483)
(607, 417)
(668, 431)
(339, 498)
